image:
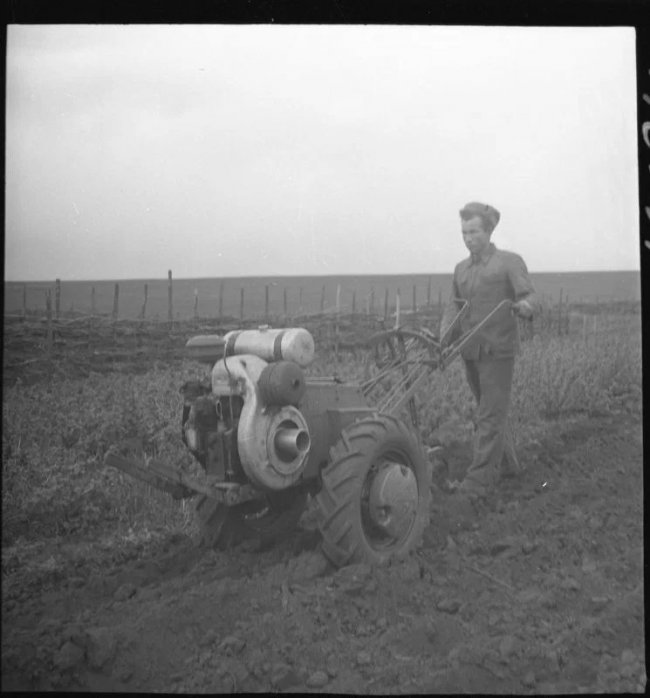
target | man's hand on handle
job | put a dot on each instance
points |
(522, 309)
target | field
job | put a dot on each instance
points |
(104, 590)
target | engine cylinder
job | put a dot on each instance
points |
(281, 383)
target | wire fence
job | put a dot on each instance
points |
(49, 330)
(266, 298)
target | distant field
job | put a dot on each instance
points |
(303, 293)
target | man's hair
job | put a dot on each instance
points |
(488, 214)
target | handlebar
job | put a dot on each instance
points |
(448, 354)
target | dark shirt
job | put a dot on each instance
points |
(484, 282)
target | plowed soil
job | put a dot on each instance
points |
(541, 593)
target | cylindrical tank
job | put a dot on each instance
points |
(292, 344)
(205, 348)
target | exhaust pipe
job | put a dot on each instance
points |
(291, 442)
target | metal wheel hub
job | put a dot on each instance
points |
(393, 499)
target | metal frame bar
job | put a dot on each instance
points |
(420, 365)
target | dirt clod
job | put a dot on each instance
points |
(68, 657)
(599, 603)
(528, 547)
(124, 592)
(448, 606)
(332, 666)
(571, 584)
(318, 679)
(628, 657)
(529, 679)
(284, 677)
(363, 658)
(100, 648)
(232, 645)
(209, 638)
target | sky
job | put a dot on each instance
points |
(256, 150)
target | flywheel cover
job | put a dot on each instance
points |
(393, 499)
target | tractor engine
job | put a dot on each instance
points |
(245, 426)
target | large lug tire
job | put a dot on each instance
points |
(269, 520)
(377, 463)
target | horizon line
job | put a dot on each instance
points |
(297, 276)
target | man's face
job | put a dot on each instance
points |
(475, 238)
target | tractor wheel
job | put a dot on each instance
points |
(269, 519)
(374, 501)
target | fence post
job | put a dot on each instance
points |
(397, 309)
(429, 294)
(386, 304)
(284, 302)
(91, 319)
(48, 312)
(266, 303)
(57, 297)
(143, 312)
(196, 304)
(170, 315)
(116, 300)
(220, 300)
(415, 307)
(241, 304)
(24, 301)
(336, 326)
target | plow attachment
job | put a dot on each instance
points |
(178, 483)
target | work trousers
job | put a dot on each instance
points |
(490, 380)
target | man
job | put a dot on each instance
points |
(486, 278)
